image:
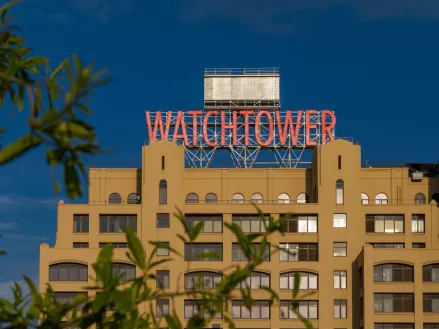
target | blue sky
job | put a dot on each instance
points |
(375, 63)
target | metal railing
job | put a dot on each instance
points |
(241, 71)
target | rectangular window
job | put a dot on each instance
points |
(418, 245)
(293, 252)
(308, 281)
(392, 303)
(259, 310)
(340, 220)
(202, 280)
(340, 280)
(340, 309)
(340, 249)
(418, 223)
(162, 278)
(162, 307)
(385, 223)
(389, 245)
(212, 223)
(430, 273)
(394, 326)
(238, 254)
(162, 249)
(431, 326)
(80, 223)
(340, 199)
(306, 308)
(163, 221)
(431, 303)
(67, 297)
(256, 281)
(80, 244)
(251, 223)
(163, 162)
(299, 224)
(193, 307)
(203, 251)
(115, 244)
(117, 223)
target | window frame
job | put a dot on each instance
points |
(291, 276)
(309, 247)
(80, 219)
(339, 220)
(418, 223)
(193, 219)
(162, 279)
(73, 269)
(237, 251)
(386, 220)
(256, 304)
(131, 221)
(395, 271)
(338, 281)
(191, 247)
(340, 303)
(292, 224)
(308, 304)
(339, 246)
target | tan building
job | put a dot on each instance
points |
(366, 238)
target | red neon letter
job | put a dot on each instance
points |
(246, 114)
(194, 126)
(180, 122)
(327, 129)
(308, 127)
(289, 127)
(258, 128)
(158, 124)
(225, 126)
(205, 134)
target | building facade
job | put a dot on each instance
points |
(365, 240)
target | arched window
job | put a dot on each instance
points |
(339, 186)
(115, 198)
(202, 280)
(163, 192)
(420, 198)
(381, 198)
(364, 198)
(211, 198)
(133, 198)
(257, 198)
(393, 273)
(68, 272)
(302, 198)
(430, 273)
(283, 198)
(308, 281)
(256, 280)
(124, 271)
(192, 198)
(237, 198)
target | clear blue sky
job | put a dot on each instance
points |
(374, 62)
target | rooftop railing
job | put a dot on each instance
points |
(241, 71)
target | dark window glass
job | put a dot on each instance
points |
(162, 307)
(117, 223)
(133, 198)
(418, 223)
(431, 325)
(210, 251)
(124, 272)
(251, 223)
(418, 245)
(68, 272)
(212, 223)
(211, 198)
(192, 198)
(162, 277)
(260, 310)
(202, 280)
(80, 223)
(115, 198)
(293, 252)
(67, 297)
(431, 303)
(256, 281)
(339, 162)
(393, 273)
(115, 244)
(163, 192)
(163, 162)
(309, 309)
(385, 223)
(299, 224)
(193, 307)
(239, 255)
(163, 220)
(394, 326)
(391, 303)
(430, 273)
(80, 244)
(389, 245)
(419, 198)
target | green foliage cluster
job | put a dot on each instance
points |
(56, 100)
(123, 297)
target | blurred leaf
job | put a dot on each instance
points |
(136, 248)
(18, 148)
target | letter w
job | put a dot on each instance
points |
(158, 122)
(288, 127)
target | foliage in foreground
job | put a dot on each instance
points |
(56, 100)
(124, 297)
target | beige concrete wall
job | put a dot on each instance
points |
(395, 182)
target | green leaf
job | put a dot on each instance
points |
(8, 5)
(136, 248)
(18, 148)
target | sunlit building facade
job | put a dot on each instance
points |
(365, 240)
